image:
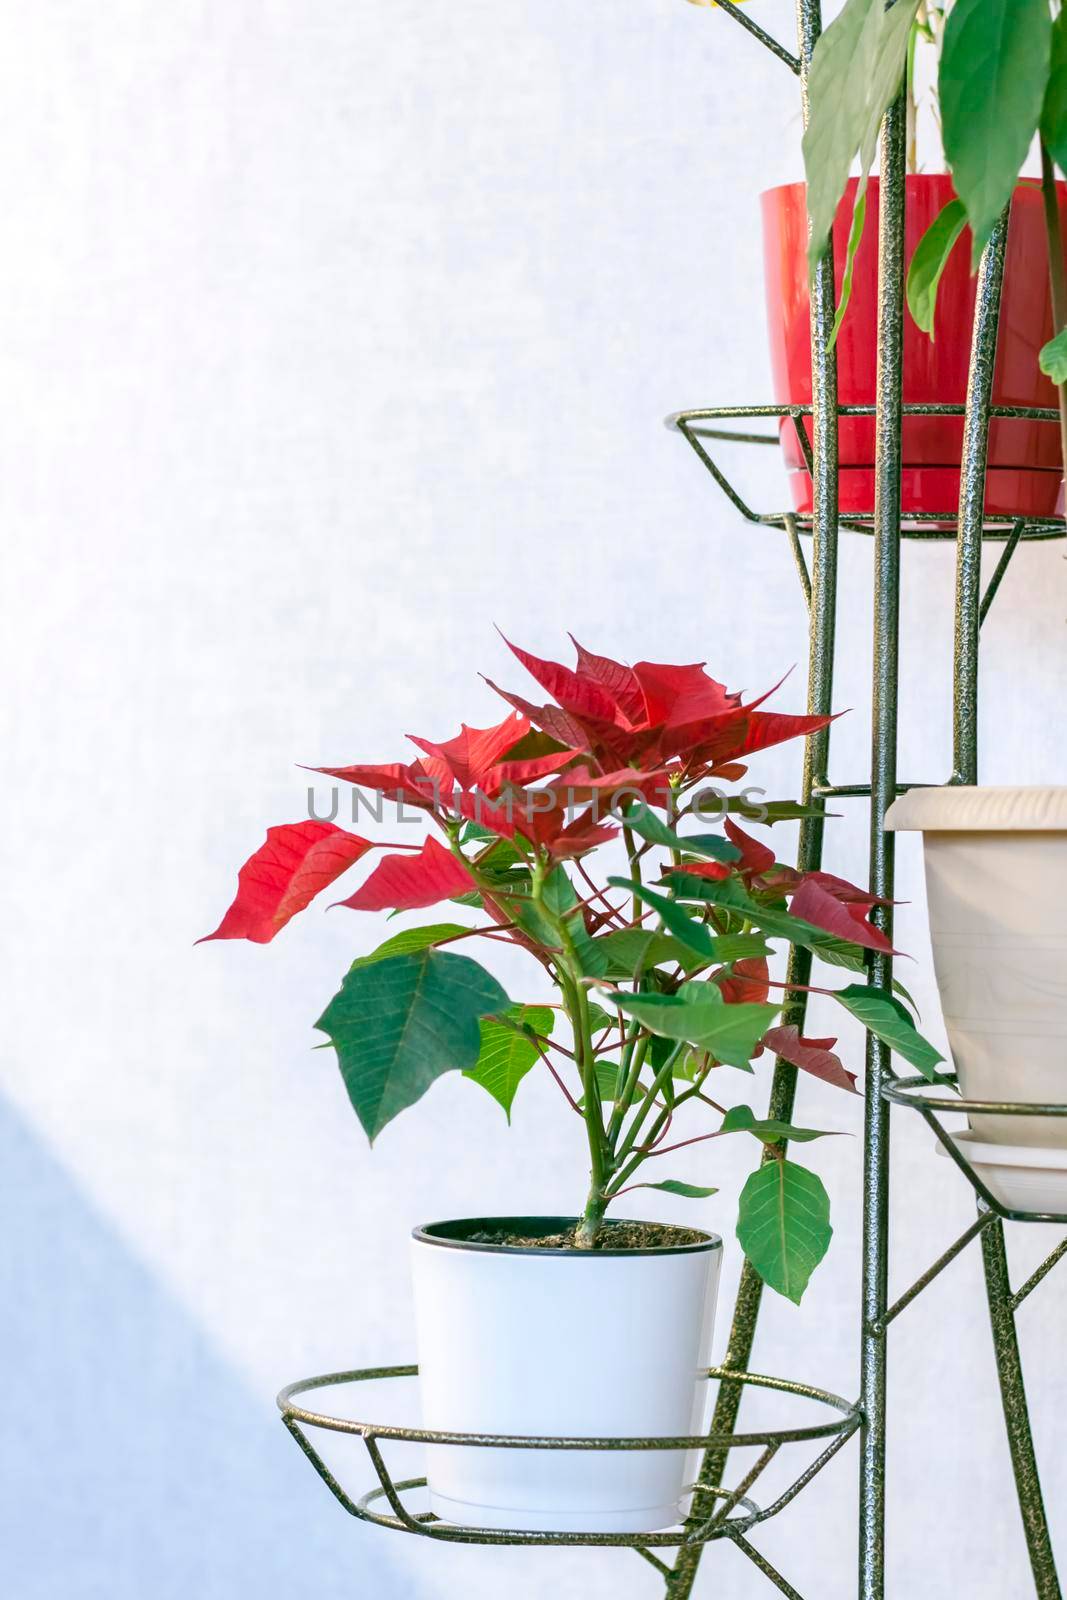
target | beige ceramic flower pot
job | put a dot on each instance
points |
(996, 879)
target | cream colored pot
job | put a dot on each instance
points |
(996, 880)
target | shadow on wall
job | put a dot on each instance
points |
(134, 1464)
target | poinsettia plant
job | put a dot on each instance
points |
(658, 959)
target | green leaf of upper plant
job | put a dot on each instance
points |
(891, 50)
(891, 42)
(1054, 108)
(508, 1052)
(929, 262)
(837, 88)
(888, 1020)
(402, 944)
(783, 1225)
(742, 1119)
(856, 70)
(855, 234)
(1053, 358)
(688, 1191)
(698, 1015)
(994, 69)
(398, 1024)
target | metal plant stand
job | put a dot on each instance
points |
(883, 1087)
(729, 1514)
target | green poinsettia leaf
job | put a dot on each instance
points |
(772, 921)
(497, 854)
(398, 1024)
(631, 951)
(558, 893)
(559, 903)
(678, 922)
(653, 829)
(698, 1015)
(508, 1051)
(771, 811)
(742, 1119)
(607, 1077)
(730, 947)
(412, 939)
(884, 1016)
(592, 957)
(783, 1225)
(688, 1191)
(599, 1019)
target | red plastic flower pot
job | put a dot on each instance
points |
(1025, 469)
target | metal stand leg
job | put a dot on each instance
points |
(965, 770)
(1016, 1414)
(889, 390)
(822, 604)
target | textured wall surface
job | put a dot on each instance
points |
(331, 335)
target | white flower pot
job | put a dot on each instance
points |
(996, 879)
(560, 1343)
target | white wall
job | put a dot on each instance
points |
(333, 334)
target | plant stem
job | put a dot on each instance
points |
(569, 977)
(1057, 277)
(633, 855)
(633, 1059)
(663, 1077)
(592, 1218)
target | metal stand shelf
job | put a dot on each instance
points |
(916, 1094)
(733, 1519)
(719, 1513)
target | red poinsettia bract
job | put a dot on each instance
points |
(295, 864)
(651, 713)
(549, 777)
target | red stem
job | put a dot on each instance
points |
(571, 1101)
